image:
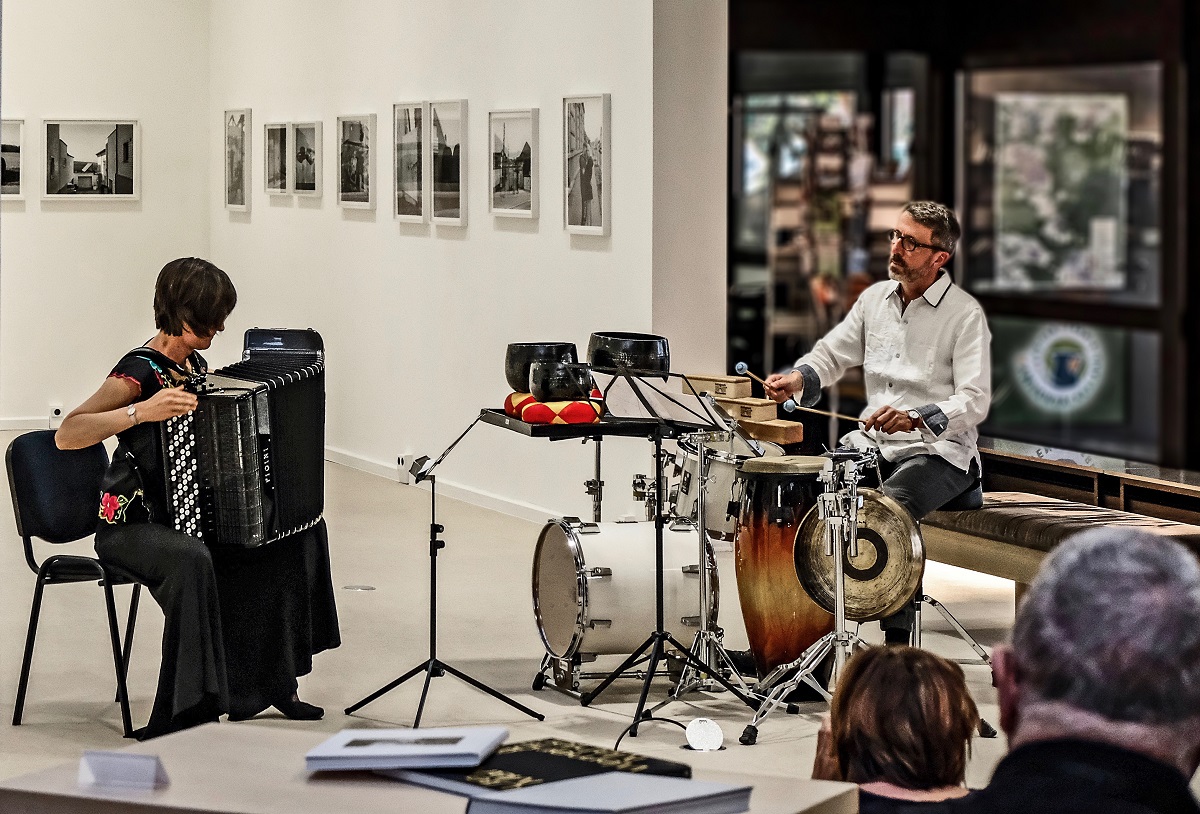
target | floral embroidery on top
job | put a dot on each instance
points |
(112, 507)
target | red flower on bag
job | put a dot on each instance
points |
(109, 506)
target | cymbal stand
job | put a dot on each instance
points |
(838, 506)
(707, 645)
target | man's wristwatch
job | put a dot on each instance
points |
(132, 413)
(915, 417)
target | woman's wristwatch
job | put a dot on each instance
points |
(132, 413)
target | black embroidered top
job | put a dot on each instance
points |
(134, 488)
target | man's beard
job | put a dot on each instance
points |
(900, 272)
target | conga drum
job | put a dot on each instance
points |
(782, 621)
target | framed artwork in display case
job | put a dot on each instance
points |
(587, 164)
(356, 161)
(513, 147)
(275, 154)
(237, 136)
(92, 159)
(305, 152)
(12, 145)
(448, 159)
(410, 195)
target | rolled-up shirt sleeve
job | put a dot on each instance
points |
(971, 366)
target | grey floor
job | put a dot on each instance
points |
(378, 536)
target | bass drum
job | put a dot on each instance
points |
(594, 585)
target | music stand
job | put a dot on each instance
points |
(433, 667)
(630, 396)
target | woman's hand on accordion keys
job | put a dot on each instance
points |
(166, 403)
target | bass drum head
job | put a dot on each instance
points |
(559, 590)
(884, 576)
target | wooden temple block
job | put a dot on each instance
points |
(777, 430)
(730, 387)
(750, 409)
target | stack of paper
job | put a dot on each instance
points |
(353, 749)
(616, 793)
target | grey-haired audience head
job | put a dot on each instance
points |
(1111, 626)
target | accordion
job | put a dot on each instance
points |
(246, 467)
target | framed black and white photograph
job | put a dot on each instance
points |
(356, 138)
(12, 141)
(275, 152)
(92, 158)
(306, 158)
(237, 159)
(513, 136)
(448, 155)
(586, 164)
(410, 198)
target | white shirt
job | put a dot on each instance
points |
(934, 357)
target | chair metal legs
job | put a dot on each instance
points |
(120, 653)
(118, 659)
(34, 610)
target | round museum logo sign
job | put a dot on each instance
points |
(1062, 368)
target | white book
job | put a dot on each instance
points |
(452, 746)
(617, 793)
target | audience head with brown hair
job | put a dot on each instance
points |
(901, 723)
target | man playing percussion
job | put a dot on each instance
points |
(925, 350)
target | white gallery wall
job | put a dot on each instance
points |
(77, 276)
(416, 318)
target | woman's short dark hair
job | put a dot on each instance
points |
(192, 292)
(903, 715)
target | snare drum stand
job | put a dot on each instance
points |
(659, 638)
(433, 667)
(707, 647)
(838, 507)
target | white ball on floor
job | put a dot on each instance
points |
(704, 735)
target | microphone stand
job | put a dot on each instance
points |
(433, 667)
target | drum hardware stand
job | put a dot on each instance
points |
(595, 486)
(433, 667)
(655, 643)
(707, 645)
(838, 507)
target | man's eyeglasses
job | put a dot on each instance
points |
(909, 242)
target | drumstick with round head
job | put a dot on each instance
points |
(790, 405)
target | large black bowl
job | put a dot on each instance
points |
(610, 350)
(521, 355)
(559, 381)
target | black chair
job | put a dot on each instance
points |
(56, 496)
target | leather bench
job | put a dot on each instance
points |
(1011, 533)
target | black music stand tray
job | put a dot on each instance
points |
(654, 403)
(433, 667)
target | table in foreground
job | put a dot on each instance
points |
(257, 769)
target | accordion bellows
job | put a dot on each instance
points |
(247, 466)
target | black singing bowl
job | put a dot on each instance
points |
(559, 381)
(611, 350)
(521, 355)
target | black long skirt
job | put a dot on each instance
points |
(240, 623)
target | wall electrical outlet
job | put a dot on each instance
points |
(56, 415)
(403, 463)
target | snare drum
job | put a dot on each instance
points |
(723, 492)
(594, 585)
(781, 619)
